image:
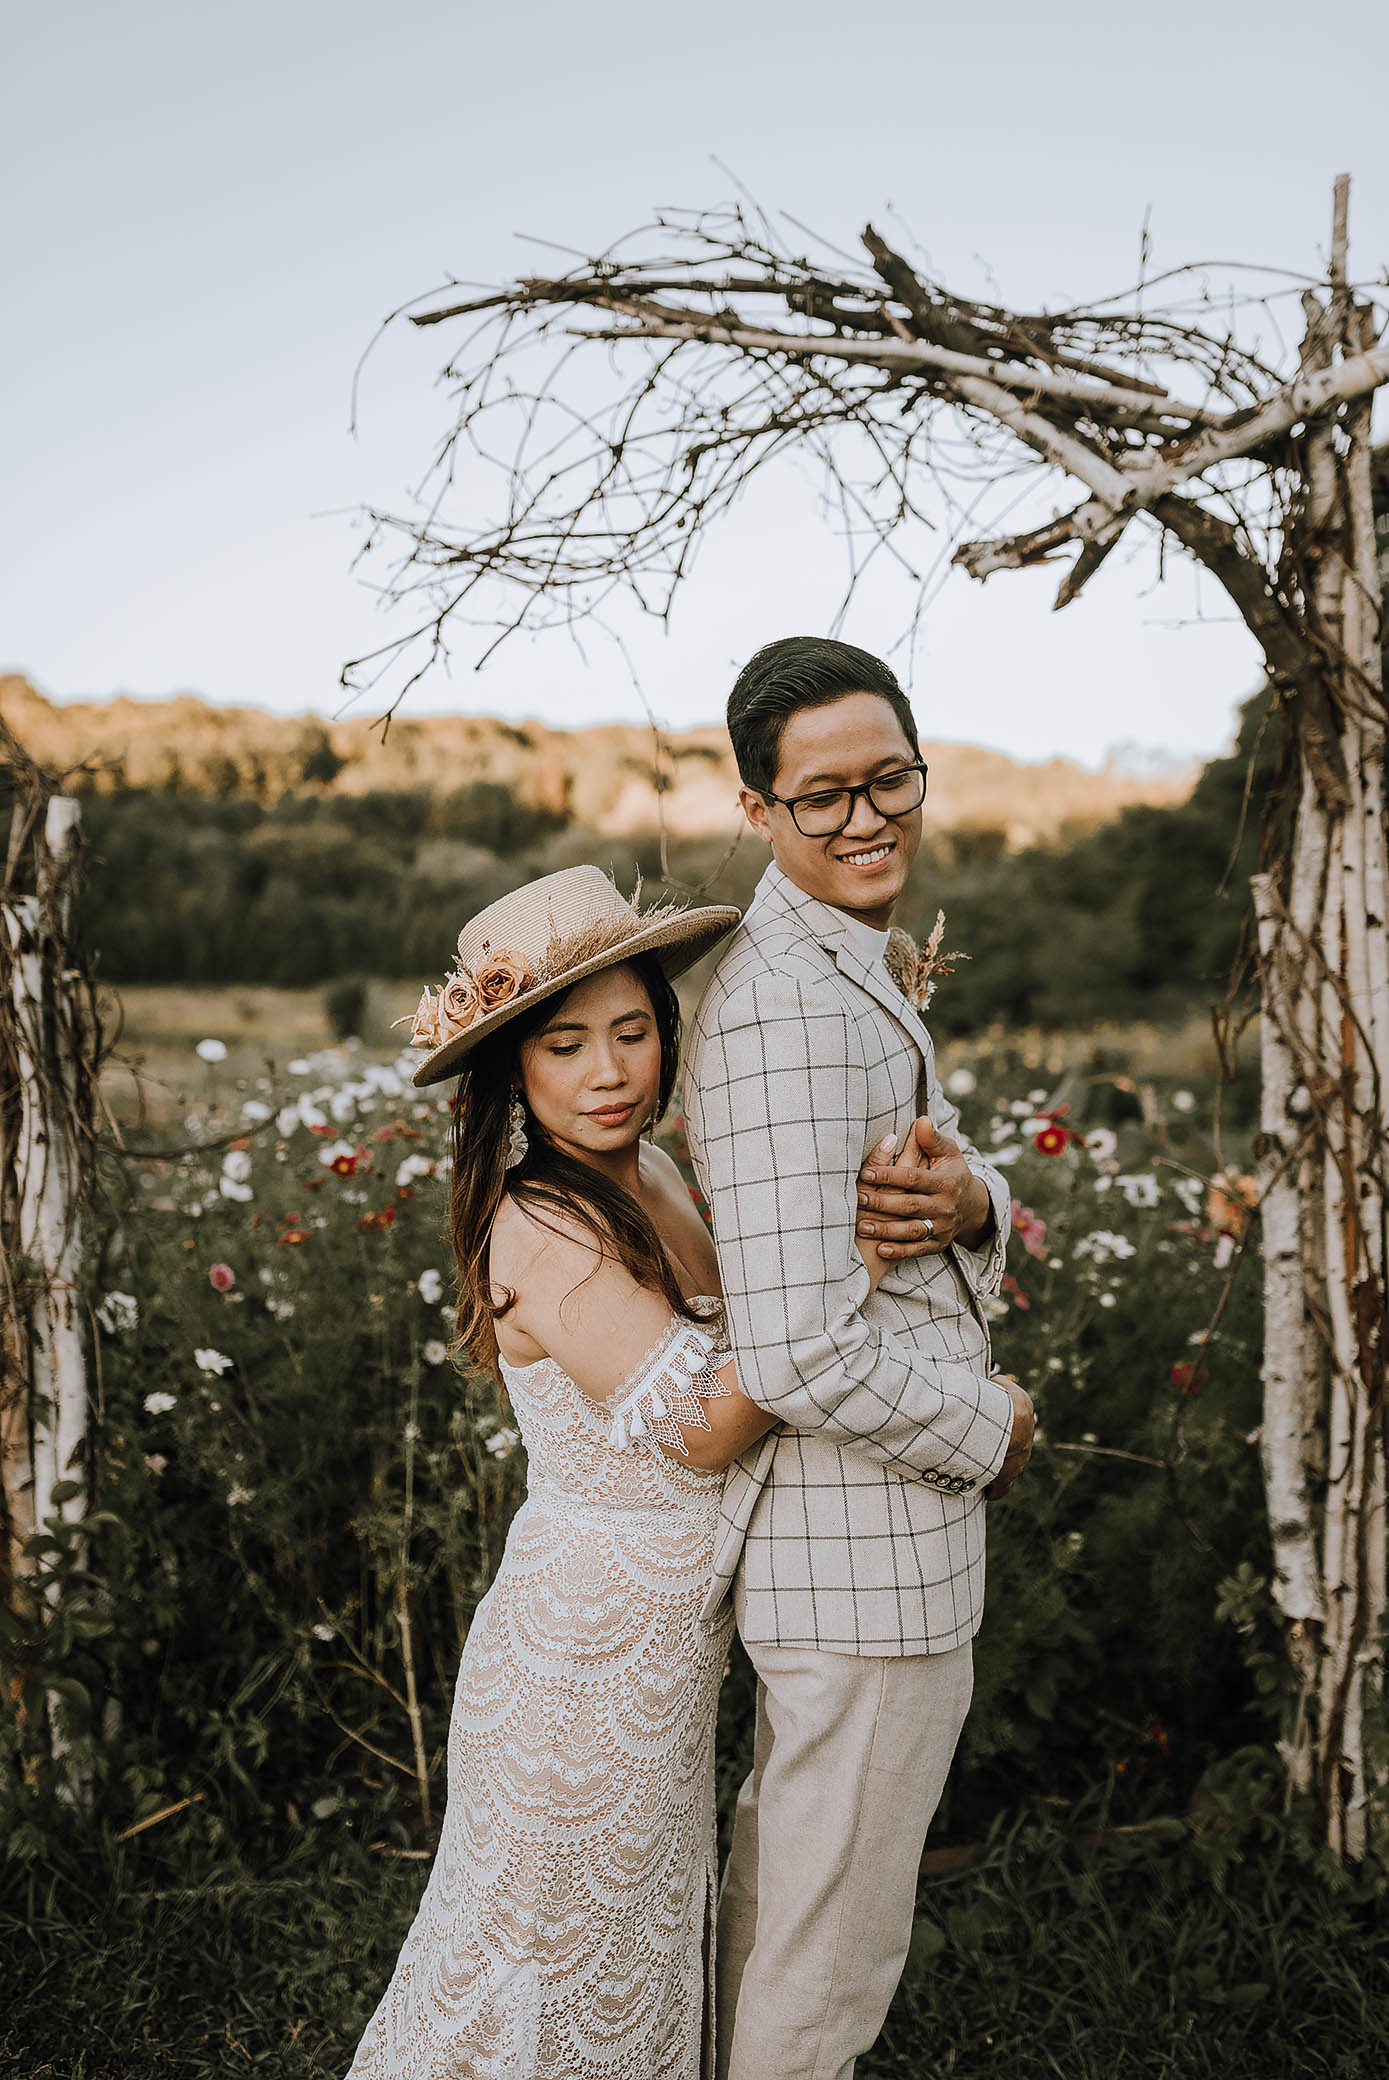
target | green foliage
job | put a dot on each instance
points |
(289, 1472)
(1070, 1947)
(1086, 1948)
(295, 1487)
(1101, 1659)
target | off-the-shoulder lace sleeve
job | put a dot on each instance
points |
(669, 1388)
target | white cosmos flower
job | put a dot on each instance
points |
(310, 1115)
(1140, 1190)
(434, 1352)
(342, 1105)
(960, 1083)
(1191, 1191)
(212, 1361)
(255, 1113)
(412, 1167)
(286, 1121)
(158, 1404)
(236, 1164)
(1104, 1246)
(299, 1067)
(1021, 1108)
(211, 1050)
(230, 1189)
(118, 1312)
(1101, 1143)
(430, 1286)
(1004, 1156)
(502, 1443)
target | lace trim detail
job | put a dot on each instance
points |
(668, 1389)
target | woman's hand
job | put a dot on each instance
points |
(1020, 1443)
(917, 1205)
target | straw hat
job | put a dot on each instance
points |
(541, 939)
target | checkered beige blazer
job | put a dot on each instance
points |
(859, 1522)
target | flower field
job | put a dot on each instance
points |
(300, 1497)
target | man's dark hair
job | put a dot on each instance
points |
(801, 672)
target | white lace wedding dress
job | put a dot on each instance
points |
(566, 1931)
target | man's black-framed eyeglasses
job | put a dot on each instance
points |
(825, 814)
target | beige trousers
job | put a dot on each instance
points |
(815, 1911)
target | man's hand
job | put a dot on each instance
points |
(925, 1200)
(1020, 1443)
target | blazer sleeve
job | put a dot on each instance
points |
(776, 1100)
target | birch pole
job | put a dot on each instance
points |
(1323, 951)
(43, 1192)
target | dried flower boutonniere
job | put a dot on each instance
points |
(916, 971)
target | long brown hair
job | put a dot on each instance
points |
(545, 1180)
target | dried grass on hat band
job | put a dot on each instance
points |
(542, 939)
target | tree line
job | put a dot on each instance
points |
(1138, 917)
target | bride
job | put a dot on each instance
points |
(566, 1931)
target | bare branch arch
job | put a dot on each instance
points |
(605, 418)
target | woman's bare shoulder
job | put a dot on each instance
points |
(524, 1236)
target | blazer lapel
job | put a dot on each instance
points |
(883, 990)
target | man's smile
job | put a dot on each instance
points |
(869, 856)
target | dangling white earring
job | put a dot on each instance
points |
(517, 1143)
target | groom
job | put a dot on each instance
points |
(853, 1534)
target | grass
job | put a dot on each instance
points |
(1047, 1961)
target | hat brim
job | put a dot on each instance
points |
(676, 942)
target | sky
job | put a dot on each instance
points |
(212, 209)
